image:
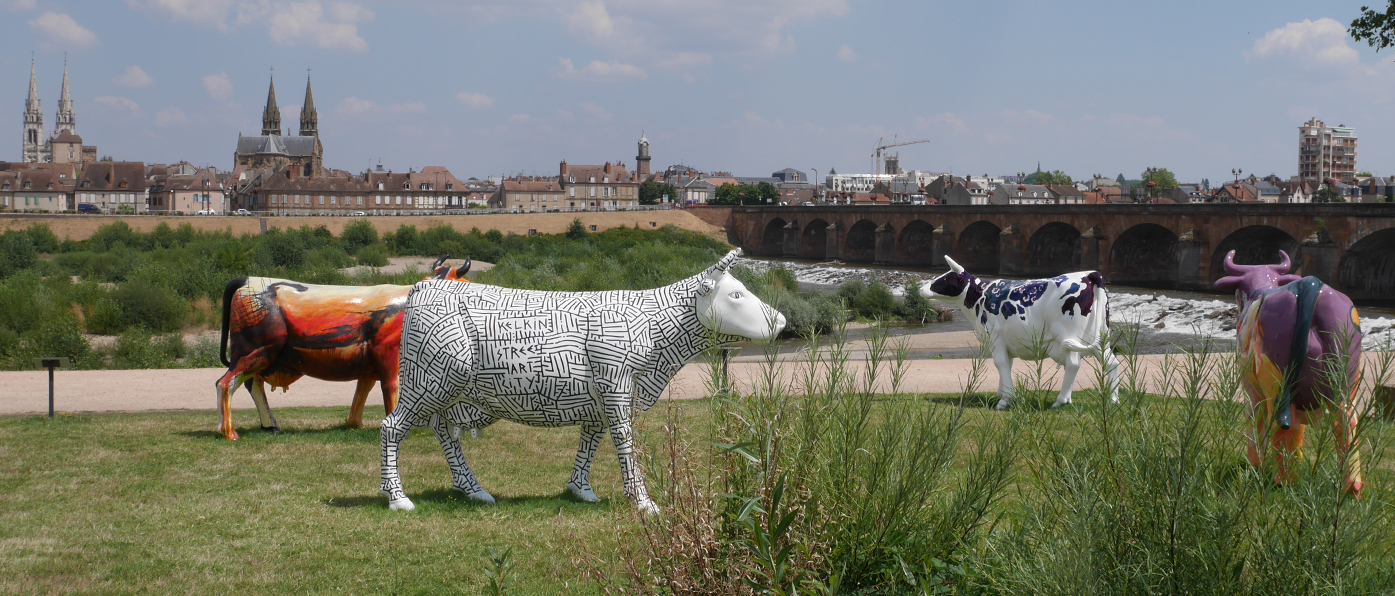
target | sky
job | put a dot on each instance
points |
(504, 87)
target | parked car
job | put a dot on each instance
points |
(806, 204)
(242, 212)
(88, 208)
(358, 214)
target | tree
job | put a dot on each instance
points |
(1157, 180)
(651, 192)
(1327, 194)
(575, 231)
(1120, 179)
(1377, 29)
(764, 193)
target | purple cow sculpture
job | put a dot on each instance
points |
(1293, 337)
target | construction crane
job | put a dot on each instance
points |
(877, 151)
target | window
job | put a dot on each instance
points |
(399, 200)
(409, 200)
(322, 199)
(593, 192)
(380, 185)
(571, 191)
(378, 200)
(332, 200)
(360, 201)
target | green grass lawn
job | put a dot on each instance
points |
(158, 503)
(125, 503)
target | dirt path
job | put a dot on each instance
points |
(79, 227)
(26, 392)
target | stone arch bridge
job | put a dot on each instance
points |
(1348, 245)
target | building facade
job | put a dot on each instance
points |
(114, 187)
(1326, 152)
(607, 186)
(530, 196)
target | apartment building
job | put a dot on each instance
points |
(1326, 152)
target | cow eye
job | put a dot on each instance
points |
(736, 295)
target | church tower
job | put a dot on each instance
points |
(33, 123)
(309, 120)
(66, 119)
(642, 160)
(271, 116)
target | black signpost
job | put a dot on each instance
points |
(51, 364)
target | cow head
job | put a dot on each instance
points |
(1245, 279)
(725, 306)
(442, 271)
(950, 285)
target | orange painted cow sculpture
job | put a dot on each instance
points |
(276, 331)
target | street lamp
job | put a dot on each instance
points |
(1236, 172)
(816, 183)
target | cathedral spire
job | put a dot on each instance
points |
(271, 116)
(33, 151)
(66, 119)
(309, 119)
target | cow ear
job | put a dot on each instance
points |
(705, 286)
(1228, 284)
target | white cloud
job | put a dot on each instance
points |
(354, 105)
(946, 120)
(305, 23)
(591, 21)
(133, 78)
(19, 4)
(519, 118)
(171, 116)
(475, 100)
(595, 111)
(846, 54)
(598, 71)
(120, 103)
(218, 86)
(1313, 43)
(324, 25)
(59, 32)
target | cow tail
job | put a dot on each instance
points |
(228, 292)
(1307, 290)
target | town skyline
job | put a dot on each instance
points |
(795, 88)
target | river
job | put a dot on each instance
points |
(1157, 311)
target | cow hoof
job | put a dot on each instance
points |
(273, 429)
(479, 496)
(1003, 404)
(403, 504)
(584, 494)
(647, 507)
(1059, 404)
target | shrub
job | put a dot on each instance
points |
(45, 241)
(373, 255)
(155, 308)
(359, 234)
(57, 337)
(203, 354)
(916, 308)
(136, 348)
(576, 230)
(17, 253)
(281, 249)
(9, 341)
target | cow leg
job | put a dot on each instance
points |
(617, 410)
(257, 387)
(463, 479)
(1003, 362)
(580, 482)
(1072, 366)
(240, 373)
(1111, 366)
(1345, 426)
(389, 387)
(360, 397)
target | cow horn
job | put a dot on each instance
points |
(955, 267)
(1284, 263)
(1230, 266)
(463, 268)
(725, 264)
(438, 262)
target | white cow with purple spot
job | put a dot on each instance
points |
(1059, 318)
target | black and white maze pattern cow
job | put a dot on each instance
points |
(473, 354)
(1059, 318)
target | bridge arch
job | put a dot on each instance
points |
(1145, 254)
(813, 240)
(976, 248)
(1253, 245)
(861, 243)
(1367, 271)
(1053, 249)
(915, 245)
(772, 240)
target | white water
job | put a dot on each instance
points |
(1155, 311)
